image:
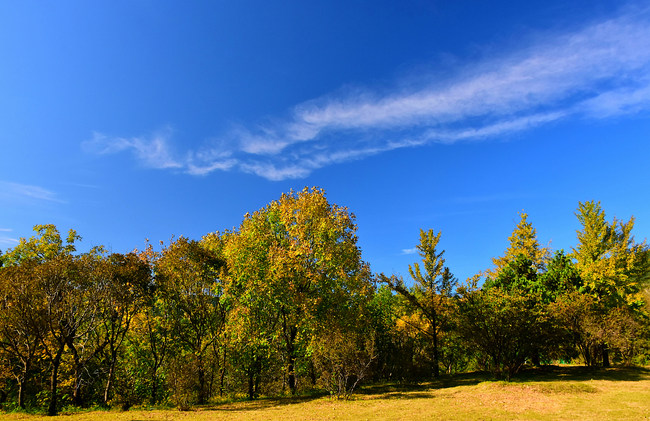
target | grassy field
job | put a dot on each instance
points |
(564, 393)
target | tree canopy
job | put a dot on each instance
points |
(284, 303)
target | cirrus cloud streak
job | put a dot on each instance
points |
(597, 72)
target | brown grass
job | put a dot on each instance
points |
(566, 393)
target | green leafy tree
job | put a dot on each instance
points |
(561, 277)
(253, 325)
(502, 326)
(520, 278)
(519, 275)
(385, 310)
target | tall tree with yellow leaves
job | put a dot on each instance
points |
(433, 286)
(298, 259)
(613, 267)
(522, 241)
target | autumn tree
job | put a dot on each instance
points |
(188, 276)
(613, 267)
(253, 325)
(431, 291)
(522, 241)
(148, 345)
(21, 321)
(299, 254)
(66, 291)
(127, 279)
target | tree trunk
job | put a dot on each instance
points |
(223, 374)
(154, 387)
(109, 382)
(290, 333)
(77, 399)
(201, 374)
(436, 354)
(111, 372)
(22, 382)
(605, 351)
(291, 366)
(76, 393)
(21, 392)
(157, 363)
(312, 372)
(54, 381)
(251, 389)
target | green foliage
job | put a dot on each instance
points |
(43, 247)
(505, 327)
(561, 277)
(519, 275)
(344, 358)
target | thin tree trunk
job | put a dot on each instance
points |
(290, 333)
(201, 375)
(223, 374)
(436, 355)
(251, 389)
(54, 381)
(22, 381)
(21, 392)
(111, 374)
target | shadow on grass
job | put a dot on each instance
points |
(558, 374)
(423, 389)
(393, 390)
(261, 403)
(581, 373)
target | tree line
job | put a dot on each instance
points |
(284, 303)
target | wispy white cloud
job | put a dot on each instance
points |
(8, 241)
(599, 71)
(11, 192)
(153, 151)
(5, 240)
(410, 251)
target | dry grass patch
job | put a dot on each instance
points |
(557, 394)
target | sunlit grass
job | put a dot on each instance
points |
(564, 393)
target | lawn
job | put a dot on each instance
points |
(558, 393)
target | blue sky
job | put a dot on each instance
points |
(128, 120)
